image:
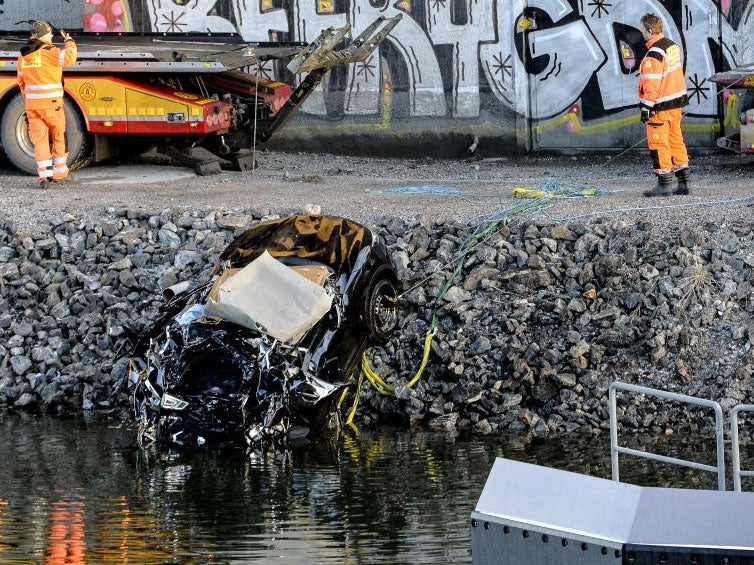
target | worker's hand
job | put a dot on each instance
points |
(64, 34)
(645, 113)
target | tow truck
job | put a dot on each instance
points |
(193, 97)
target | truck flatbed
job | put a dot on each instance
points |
(160, 52)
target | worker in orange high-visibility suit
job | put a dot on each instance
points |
(40, 77)
(662, 94)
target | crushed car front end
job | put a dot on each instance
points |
(262, 350)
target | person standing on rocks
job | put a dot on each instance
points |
(40, 77)
(662, 94)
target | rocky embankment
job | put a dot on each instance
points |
(540, 318)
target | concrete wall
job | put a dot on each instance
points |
(520, 74)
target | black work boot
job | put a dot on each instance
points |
(683, 181)
(663, 188)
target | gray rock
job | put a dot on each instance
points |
(457, 294)
(45, 244)
(169, 238)
(233, 221)
(446, 422)
(20, 364)
(22, 328)
(185, 258)
(121, 264)
(25, 400)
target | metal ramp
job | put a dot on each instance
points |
(319, 57)
(321, 53)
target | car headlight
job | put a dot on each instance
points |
(170, 402)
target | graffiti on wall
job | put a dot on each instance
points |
(466, 59)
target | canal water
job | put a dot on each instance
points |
(81, 491)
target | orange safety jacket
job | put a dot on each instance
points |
(662, 84)
(40, 72)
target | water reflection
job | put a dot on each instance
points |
(80, 491)
(65, 540)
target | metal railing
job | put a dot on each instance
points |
(735, 446)
(616, 449)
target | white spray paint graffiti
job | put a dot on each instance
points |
(168, 16)
(574, 57)
(618, 89)
(739, 44)
(697, 27)
(426, 91)
(255, 24)
(465, 38)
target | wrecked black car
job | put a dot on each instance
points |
(262, 350)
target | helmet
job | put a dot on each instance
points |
(40, 28)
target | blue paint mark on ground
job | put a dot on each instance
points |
(426, 189)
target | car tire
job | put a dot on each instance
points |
(381, 310)
(14, 136)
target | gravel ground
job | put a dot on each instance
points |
(366, 189)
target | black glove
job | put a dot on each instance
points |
(646, 112)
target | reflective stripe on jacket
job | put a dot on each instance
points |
(40, 73)
(662, 84)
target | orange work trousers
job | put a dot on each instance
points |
(45, 126)
(665, 141)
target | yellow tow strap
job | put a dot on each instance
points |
(352, 411)
(425, 358)
(523, 192)
(378, 382)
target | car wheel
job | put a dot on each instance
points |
(381, 313)
(14, 135)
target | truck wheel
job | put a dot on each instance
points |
(381, 310)
(14, 135)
